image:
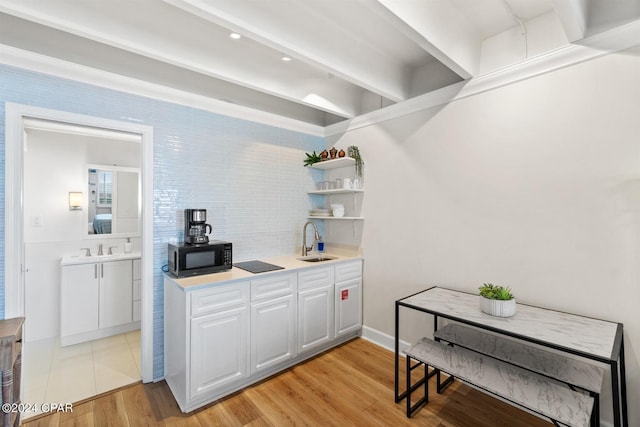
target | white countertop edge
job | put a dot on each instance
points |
(80, 259)
(290, 263)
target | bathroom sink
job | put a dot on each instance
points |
(83, 259)
(316, 258)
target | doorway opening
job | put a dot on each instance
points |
(49, 155)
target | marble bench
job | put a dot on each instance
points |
(573, 372)
(516, 385)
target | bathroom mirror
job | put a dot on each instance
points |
(113, 205)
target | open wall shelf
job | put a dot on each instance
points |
(335, 163)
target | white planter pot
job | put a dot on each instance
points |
(499, 308)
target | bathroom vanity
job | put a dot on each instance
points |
(100, 297)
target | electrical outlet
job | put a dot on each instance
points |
(36, 221)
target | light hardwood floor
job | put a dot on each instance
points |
(351, 385)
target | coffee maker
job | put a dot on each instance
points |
(195, 227)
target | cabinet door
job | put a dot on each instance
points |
(315, 318)
(272, 332)
(79, 299)
(348, 306)
(219, 349)
(116, 293)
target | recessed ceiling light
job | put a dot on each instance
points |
(286, 59)
(235, 36)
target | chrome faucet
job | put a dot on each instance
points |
(305, 248)
(100, 253)
(88, 251)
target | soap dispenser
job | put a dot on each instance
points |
(320, 245)
(127, 246)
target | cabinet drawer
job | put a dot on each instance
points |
(219, 297)
(137, 314)
(137, 269)
(348, 270)
(274, 286)
(315, 278)
(137, 290)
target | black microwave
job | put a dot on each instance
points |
(191, 260)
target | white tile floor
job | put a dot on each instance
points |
(54, 374)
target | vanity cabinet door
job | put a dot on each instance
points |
(116, 293)
(219, 350)
(79, 299)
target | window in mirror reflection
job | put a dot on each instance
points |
(105, 186)
(114, 200)
(100, 197)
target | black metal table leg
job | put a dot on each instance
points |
(397, 350)
(623, 386)
(615, 390)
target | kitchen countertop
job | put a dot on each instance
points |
(81, 259)
(288, 262)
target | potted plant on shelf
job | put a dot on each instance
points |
(312, 158)
(497, 300)
(354, 153)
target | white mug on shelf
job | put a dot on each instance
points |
(356, 184)
(346, 184)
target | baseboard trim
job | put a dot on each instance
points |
(383, 340)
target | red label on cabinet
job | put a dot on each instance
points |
(345, 294)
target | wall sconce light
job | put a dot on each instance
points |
(75, 201)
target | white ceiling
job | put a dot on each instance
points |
(348, 57)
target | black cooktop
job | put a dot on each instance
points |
(257, 266)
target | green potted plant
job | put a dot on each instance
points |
(312, 158)
(497, 300)
(354, 153)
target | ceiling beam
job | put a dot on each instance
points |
(442, 31)
(292, 28)
(151, 40)
(573, 15)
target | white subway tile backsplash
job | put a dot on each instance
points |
(250, 177)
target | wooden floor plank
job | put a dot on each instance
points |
(351, 385)
(215, 415)
(110, 410)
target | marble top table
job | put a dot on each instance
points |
(594, 339)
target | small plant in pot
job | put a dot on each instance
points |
(497, 300)
(354, 152)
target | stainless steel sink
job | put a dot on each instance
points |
(316, 258)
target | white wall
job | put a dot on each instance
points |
(54, 164)
(534, 185)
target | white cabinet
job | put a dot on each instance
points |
(224, 335)
(116, 293)
(348, 307)
(315, 308)
(348, 298)
(214, 364)
(79, 299)
(273, 320)
(206, 340)
(96, 301)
